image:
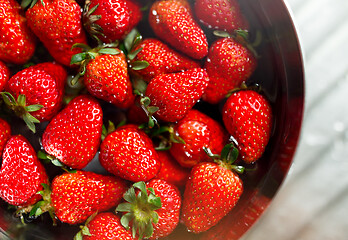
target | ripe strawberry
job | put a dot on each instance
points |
(112, 20)
(176, 93)
(21, 173)
(152, 210)
(211, 192)
(5, 133)
(106, 77)
(229, 64)
(247, 116)
(104, 226)
(129, 153)
(75, 196)
(73, 136)
(17, 42)
(172, 21)
(58, 25)
(4, 75)
(197, 130)
(161, 58)
(240, 219)
(171, 171)
(42, 87)
(220, 14)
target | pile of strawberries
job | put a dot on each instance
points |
(103, 94)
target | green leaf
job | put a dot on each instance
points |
(155, 217)
(128, 41)
(110, 51)
(92, 55)
(226, 151)
(85, 231)
(223, 34)
(25, 3)
(130, 196)
(78, 236)
(92, 10)
(33, 108)
(34, 2)
(8, 98)
(155, 202)
(148, 230)
(29, 123)
(42, 155)
(152, 109)
(126, 219)
(57, 163)
(139, 65)
(124, 207)
(141, 186)
(78, 58)
(31, 118)
(83, 46)
(133, 54)
(145, 101)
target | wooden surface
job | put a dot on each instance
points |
(313, 201)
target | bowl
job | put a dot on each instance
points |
(280, 72)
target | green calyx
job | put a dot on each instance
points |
(42, 206)
(243, 37)
(140, 210)
(21, 110)
(227, 157)
(84, 230)
(30, 3)
(52, 159)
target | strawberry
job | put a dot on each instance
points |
(161, 58)
(212, 190)
(129, 153)
(17, 42)
(152, 210)
(247, 116)
(229, 64)
(73, 136)
(21, 173)
(5, 133)
(109, 21)
(4, 75)
(176, 93)
(224, 15)
(197, 130)
(172, 21)
(58, 25)
(240, 219)
(39, 91)
(171, 171)
(75, 196)
(104, 226)
(105, 75)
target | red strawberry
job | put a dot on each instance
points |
(42, 84)
(152, 210)
(171, 171)
(4, 75)
(75, 196)
(111, 20)
(21, 173)
(176, 93)
(197, 130)
(172, 21)
(107, 78)
(58, 25)
(211, 192)
(73, 136)
(240, 219)
(161, 59)
(104, 226)
(17, 43)
(220, 14)
(129, 153)
(229, 64)
(5, 133)
(247, 116)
